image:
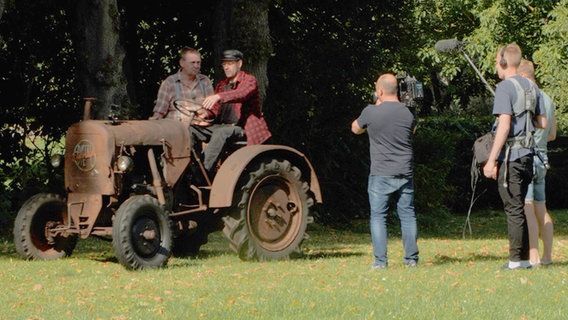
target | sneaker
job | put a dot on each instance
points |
(411, 264)
(378, 266)
(507, 267)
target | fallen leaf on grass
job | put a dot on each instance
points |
(452, 273)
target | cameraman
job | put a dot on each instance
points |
(390, 124)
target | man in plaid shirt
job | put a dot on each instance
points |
(236, 107)
(187, 86)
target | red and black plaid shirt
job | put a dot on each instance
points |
(244, 99)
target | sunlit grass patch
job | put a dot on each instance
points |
(456, 278)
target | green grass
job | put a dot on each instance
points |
(455, 279)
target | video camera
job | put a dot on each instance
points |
(409, 90)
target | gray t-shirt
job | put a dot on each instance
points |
(541, 135)
(505, 98)
(390, 128)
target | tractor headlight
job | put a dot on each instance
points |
(57, 160)
(124, 163)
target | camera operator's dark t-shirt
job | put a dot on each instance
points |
(390, 128)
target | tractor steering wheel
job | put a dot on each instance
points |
(194, 110)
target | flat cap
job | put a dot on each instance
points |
(232, 55)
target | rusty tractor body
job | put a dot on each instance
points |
(141, 184)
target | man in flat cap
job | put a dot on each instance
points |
(236, 107)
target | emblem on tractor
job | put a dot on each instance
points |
(84, 155)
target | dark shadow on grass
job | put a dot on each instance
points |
(103, 259)
(555, 264)
(440, 259)
(205, 254)
(195, 260)
(312, 255)
(327, 255)
(201, 255)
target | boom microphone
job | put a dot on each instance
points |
(447, 45)
(452, 44)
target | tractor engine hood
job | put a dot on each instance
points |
(91, 148)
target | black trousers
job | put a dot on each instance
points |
(518, 177)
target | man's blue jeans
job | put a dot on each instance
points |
(381, 189)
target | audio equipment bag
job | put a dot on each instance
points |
(482, 148)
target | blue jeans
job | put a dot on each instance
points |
(381, 189)
(536, 191)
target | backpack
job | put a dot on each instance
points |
(482, 148)
(526, 103)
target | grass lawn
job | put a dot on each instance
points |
(455, 279)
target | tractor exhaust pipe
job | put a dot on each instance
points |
(87, 108)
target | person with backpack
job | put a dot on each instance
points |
(511, 158)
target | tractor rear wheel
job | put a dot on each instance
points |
(36, 217)
(272, 213)
(142, 234)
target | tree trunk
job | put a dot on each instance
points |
(2, 6)
(100, 55)
(243, 25)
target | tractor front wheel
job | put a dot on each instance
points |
(33, 224)
(142, 234)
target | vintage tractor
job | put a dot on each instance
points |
(142, 184)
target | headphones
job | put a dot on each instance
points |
(503, 61)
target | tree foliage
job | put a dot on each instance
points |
(37, 92)
(153, 41)
(551, 57)
(539, 27)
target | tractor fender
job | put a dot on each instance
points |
(233, 167)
